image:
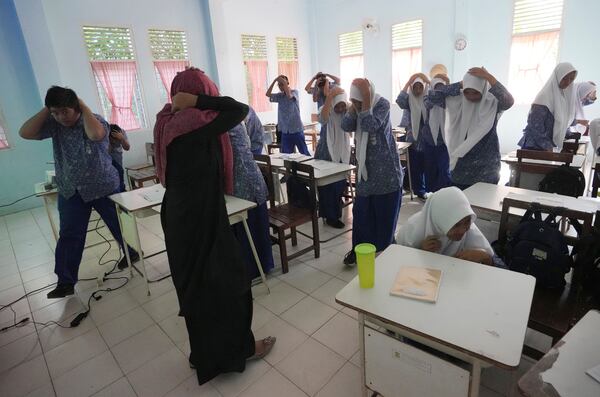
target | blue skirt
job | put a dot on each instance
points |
(258, 223)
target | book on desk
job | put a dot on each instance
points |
(417, 283)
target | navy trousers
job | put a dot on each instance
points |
(258, 223)
(375, 218)
(417, 170)
(330, 200)
(289, 141)
(74, 217)
(437, 167)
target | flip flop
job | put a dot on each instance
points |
(268, 343)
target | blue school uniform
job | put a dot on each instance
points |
(437, 159)
(255, 131)
(416, 150)
(539, 131)
(249, 184)
(289, 122)
(377, 203)
(482, 162)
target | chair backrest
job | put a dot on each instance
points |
(264, 164)
(306, 173)
(271, 147)
(596, 180)
(523, 166)
(570, 147)
(508, 222)
(150, 152)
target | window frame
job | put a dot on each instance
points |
(394, 93)
(262, 106)
(161, 87)
(341, 57)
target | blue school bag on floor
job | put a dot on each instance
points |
(538, 247)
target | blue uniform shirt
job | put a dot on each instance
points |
(288, 112)
(539, 132)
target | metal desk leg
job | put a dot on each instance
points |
(50, 219)
(125, 243)
(260, 269)
(475, 379)
(130, 234)
(361, 342)
(138, 247)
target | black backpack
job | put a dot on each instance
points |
(564, 180)
(537, 247)
(298, 191)
(587, 258)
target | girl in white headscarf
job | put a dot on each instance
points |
(379, 176)
(446, 225)
(414, 119)
(585, 95)
(551, 111)
(473, 107)
(334, 145)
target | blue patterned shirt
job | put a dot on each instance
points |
(116, 149)
(482, 163)
(425, 136)
(255, 131)
(382, 162)
(82, 165)
(539, 132)
(320, 95)
(288, 112)
(248, 182)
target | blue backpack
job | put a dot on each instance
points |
(538, 247)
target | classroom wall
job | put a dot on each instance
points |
(487, 24)
(271, 18)
(53, 34)
(25, 162)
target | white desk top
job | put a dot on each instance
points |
(489, 197)
(480, 310)
(278, 158)
(325, 169)
(151, 196)
(511, 158)
(569, 359)
(403, 145)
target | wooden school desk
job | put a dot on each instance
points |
(531, 180)
(562, 371)
(480, 318)
(140, 202)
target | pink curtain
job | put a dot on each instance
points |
(405, 63)
(351, 67)
(167, 71)
(118, 79)
(257, 87)
(532, 59)
(289, 69)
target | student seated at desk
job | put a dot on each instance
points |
(551, 112)
(334, 145)
(446, 226)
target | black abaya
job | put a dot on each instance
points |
(208, 269)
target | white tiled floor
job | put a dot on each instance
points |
(136, 345)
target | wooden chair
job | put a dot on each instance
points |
(264, 164)
(141, 173)
(572, 144)
(286, 216)
(524, 166)
(553, 312)
(596, 180)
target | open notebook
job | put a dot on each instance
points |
(417, 283)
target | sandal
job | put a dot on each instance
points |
(268, 343)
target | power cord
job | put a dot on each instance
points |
(16, 201)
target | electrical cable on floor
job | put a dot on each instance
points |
(16, 201)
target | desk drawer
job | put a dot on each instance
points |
(396, 369)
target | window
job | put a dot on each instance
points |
(287, 57)
(407, 40)
(351, 58)
(254, 51)
(170, 54)
(3, 140)
(115, 70)
(534, 49)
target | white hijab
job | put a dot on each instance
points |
(582, 90)
(362, 139)
(560, 102)
(442, 210)
(468, 122)
(338, 141)
(437, 115)
(595, 134)
(417, 108)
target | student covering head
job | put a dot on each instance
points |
(446, 226)
(437, 115)
(552, 111)
(583, 97)
(362, 138)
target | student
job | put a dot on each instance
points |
(255, 131)
(472, 117)
(249, 184)
(585, 95)
(205, 259)
(379, 176)
(414, 120)
(551, 111)
(118, 142)
(437, 161)
(85, 177)
(446, 226)
(317, 90)
(334, 145)
(288, 116)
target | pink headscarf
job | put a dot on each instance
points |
(170, 125)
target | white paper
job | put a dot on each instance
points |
(549, 201)
(594, 372)
(153, 196)
(322, 164)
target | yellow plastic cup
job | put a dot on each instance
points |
(365, 259)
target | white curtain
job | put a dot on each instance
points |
(351, 67)
(405, 63)
(532, 59)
